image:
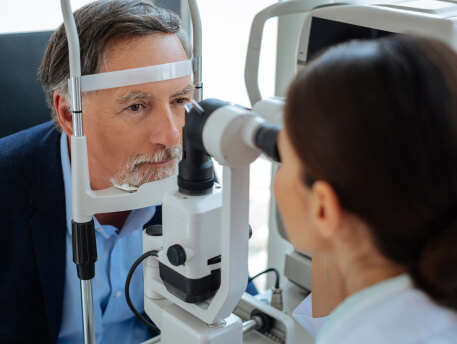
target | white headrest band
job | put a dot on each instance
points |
(136, 76)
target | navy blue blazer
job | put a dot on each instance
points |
(32, 244)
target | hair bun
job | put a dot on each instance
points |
(437, 269)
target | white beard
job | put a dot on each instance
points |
(135, 173)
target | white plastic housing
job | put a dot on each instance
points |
(232, 226)
(429, 18)
(228, 136)
(195, 225)
(271, 109)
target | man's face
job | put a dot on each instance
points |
(134, 132)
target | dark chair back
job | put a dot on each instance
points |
(22, 99)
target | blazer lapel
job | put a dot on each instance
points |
(48, 226)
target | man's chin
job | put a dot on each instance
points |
(136, 179)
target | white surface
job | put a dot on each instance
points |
(32, 15)
(136, 76)
(426, 6)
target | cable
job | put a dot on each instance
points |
(149, 324)
(267, 270)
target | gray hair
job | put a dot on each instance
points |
(100, 24)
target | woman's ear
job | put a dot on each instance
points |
(328, 212)
(64, 115)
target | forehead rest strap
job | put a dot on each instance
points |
(136, 76)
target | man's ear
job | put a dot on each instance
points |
(328, 212)
(64, 115)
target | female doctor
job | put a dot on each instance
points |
(369, 180)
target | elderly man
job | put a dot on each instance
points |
(133, 136)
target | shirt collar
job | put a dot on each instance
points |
(364, 299)
(136, 219)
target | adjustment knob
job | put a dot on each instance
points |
(154, 230)
(176, 255)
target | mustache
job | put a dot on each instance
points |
(132, 174)
(162, 155)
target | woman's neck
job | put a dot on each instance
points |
(361, 264)
(361, 274)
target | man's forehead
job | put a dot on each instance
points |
(148, 50)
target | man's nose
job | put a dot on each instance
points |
(164, 128)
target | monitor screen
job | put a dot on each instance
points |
(325, 33)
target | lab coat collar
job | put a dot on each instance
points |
(364, 299)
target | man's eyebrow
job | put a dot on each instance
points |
(132, 96)
(184, 91)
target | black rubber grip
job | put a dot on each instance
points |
(84, 249)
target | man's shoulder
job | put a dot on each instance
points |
(25, 145)
(30, 171)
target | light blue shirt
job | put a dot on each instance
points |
(116, 251)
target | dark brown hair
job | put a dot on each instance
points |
(99, 24)
(378, 121)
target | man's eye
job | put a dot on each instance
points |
(135, 107)
(182, 100)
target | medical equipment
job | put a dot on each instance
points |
(202, 252)
(305, 36)
(200, 273)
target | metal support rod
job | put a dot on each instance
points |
(75, 92)
(87, 311)
(252, 324)
(198, 79)
(72, 38)
(196, 27)
(75, 65)
(197, 45)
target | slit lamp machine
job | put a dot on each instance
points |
(195, 264)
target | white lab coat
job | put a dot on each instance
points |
(392, 312)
